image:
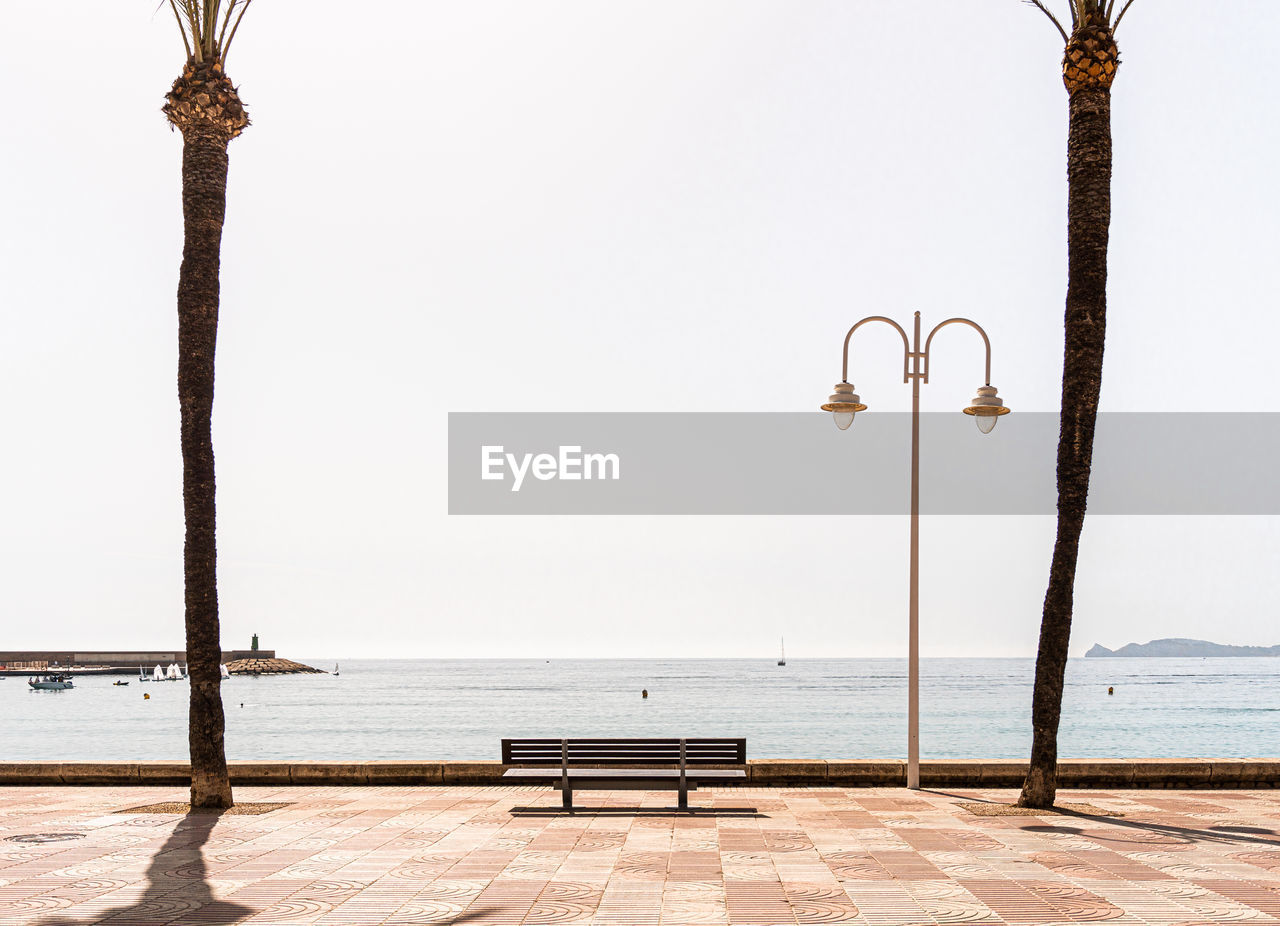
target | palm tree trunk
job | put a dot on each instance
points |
(204, 188)
(1088, 223)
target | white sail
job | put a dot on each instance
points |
(222, 669)
(157, 674)
(173, 672)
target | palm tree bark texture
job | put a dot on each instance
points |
(1089, 66)
(205, 108)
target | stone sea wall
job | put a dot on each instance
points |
(994, 773)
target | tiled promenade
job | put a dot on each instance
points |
(764, 855)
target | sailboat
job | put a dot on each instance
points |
(157, 674)
(335, 669)
(782, 653)
(222, 670)
(173, 675)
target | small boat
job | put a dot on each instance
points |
(157, 674)
(119, 683)
(782, 653)
(335, 669)
(222, 670)
(50, 682)
(174, 674)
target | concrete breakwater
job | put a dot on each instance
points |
(103, 662)
(68, 662)
(991, 773)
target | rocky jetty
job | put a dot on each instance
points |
(270, 667)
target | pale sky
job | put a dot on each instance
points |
(590, 206)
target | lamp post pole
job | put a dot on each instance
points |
(986, 408)
(913, 597)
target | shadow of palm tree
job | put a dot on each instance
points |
(177, 885)
(1216, 834)
(484, 911)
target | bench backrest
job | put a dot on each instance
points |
(624, 751)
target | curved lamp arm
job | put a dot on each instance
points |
(952, 321)
(906, 345)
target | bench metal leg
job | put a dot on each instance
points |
(566, 792)
(683, 802)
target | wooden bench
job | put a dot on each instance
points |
(624, 764)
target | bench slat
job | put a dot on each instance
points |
(646, 751)
(608, 774)
(615, 740)
(719, 751)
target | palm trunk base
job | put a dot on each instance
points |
(210, 793)
(1040, 789)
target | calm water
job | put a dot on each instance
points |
(840, 708)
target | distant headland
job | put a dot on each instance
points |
(1176, 646)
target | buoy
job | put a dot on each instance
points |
(644, 692)
(1110, 690)
(146, 697)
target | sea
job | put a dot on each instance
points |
(810, 708)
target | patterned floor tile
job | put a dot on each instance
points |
(407, 856)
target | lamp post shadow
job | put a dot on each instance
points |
(178, 890)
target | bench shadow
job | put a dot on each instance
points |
(177, 888)
(616, 811)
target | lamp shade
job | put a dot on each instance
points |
(844, 399)
(986, 407)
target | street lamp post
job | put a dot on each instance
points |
(986, 408)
